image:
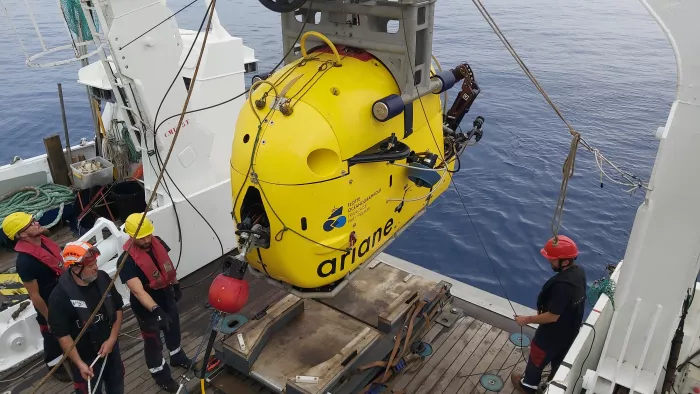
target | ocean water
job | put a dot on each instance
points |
(606, 64)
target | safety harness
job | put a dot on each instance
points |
(77, 299)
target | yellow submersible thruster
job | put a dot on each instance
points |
(330, 162)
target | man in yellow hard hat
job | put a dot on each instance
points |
(151, 276)
(75, 298)
(39, 265)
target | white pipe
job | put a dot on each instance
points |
(36, 27)
(650, 333)
(613, 322)
(621, 357)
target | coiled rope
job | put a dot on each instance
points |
(36, 201)
(576, 139)
(118, 148)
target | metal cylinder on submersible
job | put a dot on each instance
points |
(393, 105)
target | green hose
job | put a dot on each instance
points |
(36, 200)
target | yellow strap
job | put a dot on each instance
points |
(11, 292)
(96, 108)
(4, 278)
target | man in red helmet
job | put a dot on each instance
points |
(560, 307)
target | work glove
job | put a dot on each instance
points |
(177, 292)
(162, 318)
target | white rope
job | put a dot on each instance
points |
(634, 182)
(21, 43)
(97, 382)
(445, 96)
(631, 181)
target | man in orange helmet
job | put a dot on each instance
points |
(72, 302)
(39, 266)
(560, 307)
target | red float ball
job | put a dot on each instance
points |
(227, 294)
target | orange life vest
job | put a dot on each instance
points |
(51, 257)
(160, 273)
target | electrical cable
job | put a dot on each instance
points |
(454, 185)
(210, 327)
(120, 265)
(150, 161)
(28, 369)
(157, 152)
(159, 23)
(159, 160)
(291, 48)
(586, 359)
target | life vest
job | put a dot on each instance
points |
(77, 299)
(51, 257)
(160, 273)
(566, 276)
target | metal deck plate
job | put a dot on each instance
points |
(491, 382)
(520, 340)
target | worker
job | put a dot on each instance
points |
(39, 266)
(151, 276)
(96, 357)
(560, 307)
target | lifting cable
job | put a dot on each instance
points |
(120, 265)
(464, 205)
(576, 139)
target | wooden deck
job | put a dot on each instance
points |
(461, 354)
(462, 351)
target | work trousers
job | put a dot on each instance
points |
(538, 360)
(52, 349)
(153, 346)
(112, 377)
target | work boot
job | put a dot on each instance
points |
(62, 375)
(180, 359)
(516, 378)
(169, 385)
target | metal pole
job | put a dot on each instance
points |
(82, 50)
(65, 132)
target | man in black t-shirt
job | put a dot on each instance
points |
(560, 307)
(72, 302)
(38, 266)
(151, 277)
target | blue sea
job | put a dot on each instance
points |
(607, 64)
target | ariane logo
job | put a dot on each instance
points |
(336, 220)
(368, 245)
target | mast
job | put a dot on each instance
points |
(662, 258)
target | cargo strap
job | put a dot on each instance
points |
(397, 361)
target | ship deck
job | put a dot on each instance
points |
(476, 343)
